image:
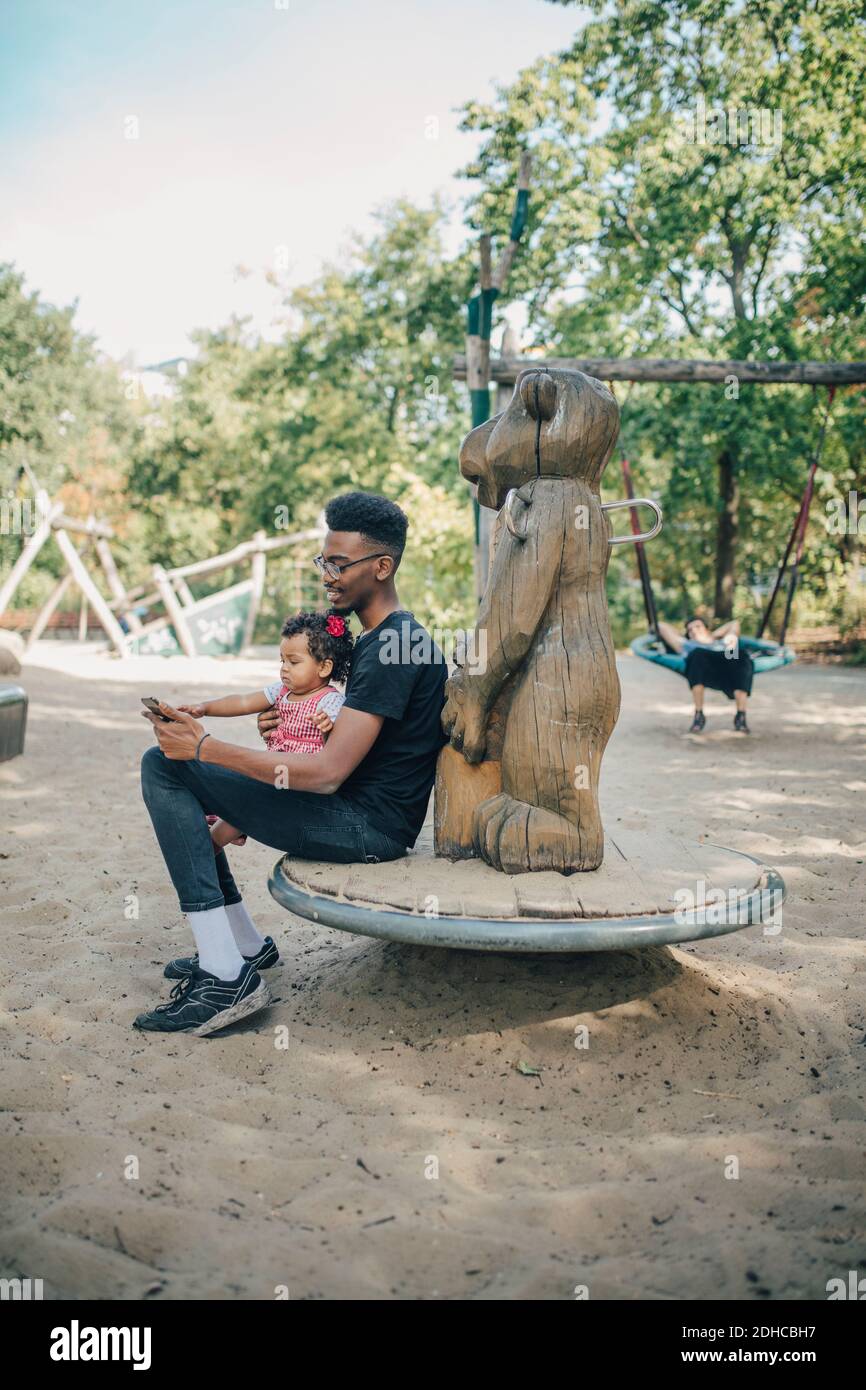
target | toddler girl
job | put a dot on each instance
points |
(316, 649)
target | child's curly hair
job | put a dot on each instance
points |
(328, 638)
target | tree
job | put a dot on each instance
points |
(356, 393)
(692, 159)
(62, 413)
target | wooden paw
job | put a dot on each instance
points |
(518, 838)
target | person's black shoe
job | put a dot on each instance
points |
(698, 722)
(184, 966)
(740, 722)
(202, 1004)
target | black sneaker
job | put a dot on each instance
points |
(184, 966)
(698, 722)
(740, 722)
(202, 1004)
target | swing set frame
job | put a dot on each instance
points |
(506, 369)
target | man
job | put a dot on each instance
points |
(363, 798)
(713, 659)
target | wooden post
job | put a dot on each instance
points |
(44, 615)
(47, 515)
(90, 527)
(115, 584)
(487, 517)
(112, 627)
(82, 619)
(174, 610)
(258, 570)
(478, 330)
(507, 369)
(183, 591)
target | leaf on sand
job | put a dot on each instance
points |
(526, 1070)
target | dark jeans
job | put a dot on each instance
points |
(304, 824)
(720, 672)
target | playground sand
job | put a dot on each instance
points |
(373, 1135)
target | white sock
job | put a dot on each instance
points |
(248, 941)
(217, 953)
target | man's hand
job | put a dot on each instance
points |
(179, 739)
(323, 722)
(268, 721)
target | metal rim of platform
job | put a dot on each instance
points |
(529, 935)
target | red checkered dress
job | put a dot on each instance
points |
(296, 732)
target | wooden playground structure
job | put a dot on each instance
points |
(221, 623)
(519, 859)
(217, 624)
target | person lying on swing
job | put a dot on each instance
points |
(715, 660)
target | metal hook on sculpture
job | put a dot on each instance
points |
(515, 494)
(635, 502)
(519, 533)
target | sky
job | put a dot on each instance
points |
(148, 150)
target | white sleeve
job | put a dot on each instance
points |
(271, 692)
(332, 703)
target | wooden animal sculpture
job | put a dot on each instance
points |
(543, 657)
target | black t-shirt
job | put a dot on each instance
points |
(400, 673)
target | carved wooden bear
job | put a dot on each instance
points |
(542, 649)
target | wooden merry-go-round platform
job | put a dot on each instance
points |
(652, 889)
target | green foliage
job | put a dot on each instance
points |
(652, 232)
(62, 414)
(357, 393)
(658, 231)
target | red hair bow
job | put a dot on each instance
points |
(336, 625)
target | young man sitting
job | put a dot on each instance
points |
(363, 797)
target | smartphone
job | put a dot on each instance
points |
(153, 705)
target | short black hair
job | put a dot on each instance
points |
(379, 521)
(324, 645)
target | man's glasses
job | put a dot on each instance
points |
(331, 570)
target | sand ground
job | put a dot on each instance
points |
(372, 1136)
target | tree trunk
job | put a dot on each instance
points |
(727, 536)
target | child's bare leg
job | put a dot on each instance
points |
(223, 834)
